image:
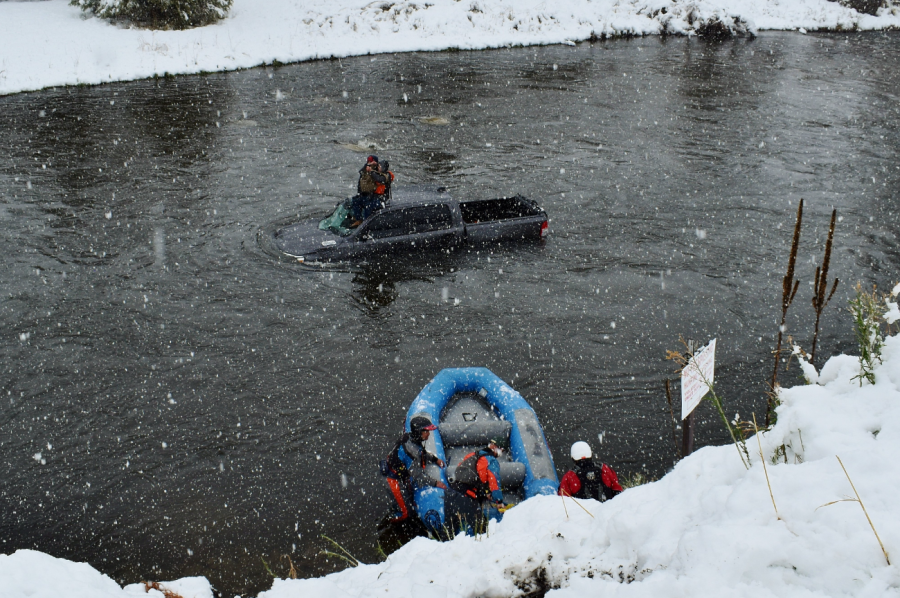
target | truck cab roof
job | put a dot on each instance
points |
(414, 195)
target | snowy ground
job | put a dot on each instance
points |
(49, 43)
(32, 574)
(707, 528)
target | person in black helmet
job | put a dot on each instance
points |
(384, 190)
(589, 480)
(400, 478)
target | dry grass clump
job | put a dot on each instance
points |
(154, 585)
(292, 572)
(867, 309)
(635, 479)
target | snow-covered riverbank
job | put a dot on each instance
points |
(50, 43)
(707, 527)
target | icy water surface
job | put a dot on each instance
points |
(177, 400)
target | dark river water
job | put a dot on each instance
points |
(178, 400)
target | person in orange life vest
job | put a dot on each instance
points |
(400, 478)
(384, 168)
(478, 474)
(588, 480)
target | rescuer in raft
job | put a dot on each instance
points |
(588, 480)
(478, 475)
(400, 477)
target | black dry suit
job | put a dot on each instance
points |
(596, 480)
(400, 478)
(412, 446)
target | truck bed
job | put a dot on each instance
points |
(502, 219)
(504, 208)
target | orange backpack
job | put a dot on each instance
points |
(381, 188)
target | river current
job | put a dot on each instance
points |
(177, 399)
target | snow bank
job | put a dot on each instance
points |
(708, 528)
(51, 43)
(32, 574)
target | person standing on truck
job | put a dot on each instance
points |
(478, 475)
(400, 478)
(384, 168)
(367, 198)
(588, 480)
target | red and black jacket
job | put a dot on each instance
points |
(589, 480)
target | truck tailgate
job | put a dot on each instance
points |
(528, 227)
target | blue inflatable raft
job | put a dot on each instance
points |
(470, 406)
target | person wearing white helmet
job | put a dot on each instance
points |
(587, 479)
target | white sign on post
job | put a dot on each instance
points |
(696, 377)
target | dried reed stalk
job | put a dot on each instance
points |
(292, 573)
(347, 557)
(858, 500)
(672, 414)
(765, 469)
(819, 301)
(564, 494)
(788, 290)
(869, 519)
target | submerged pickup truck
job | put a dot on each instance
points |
(417, 218)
